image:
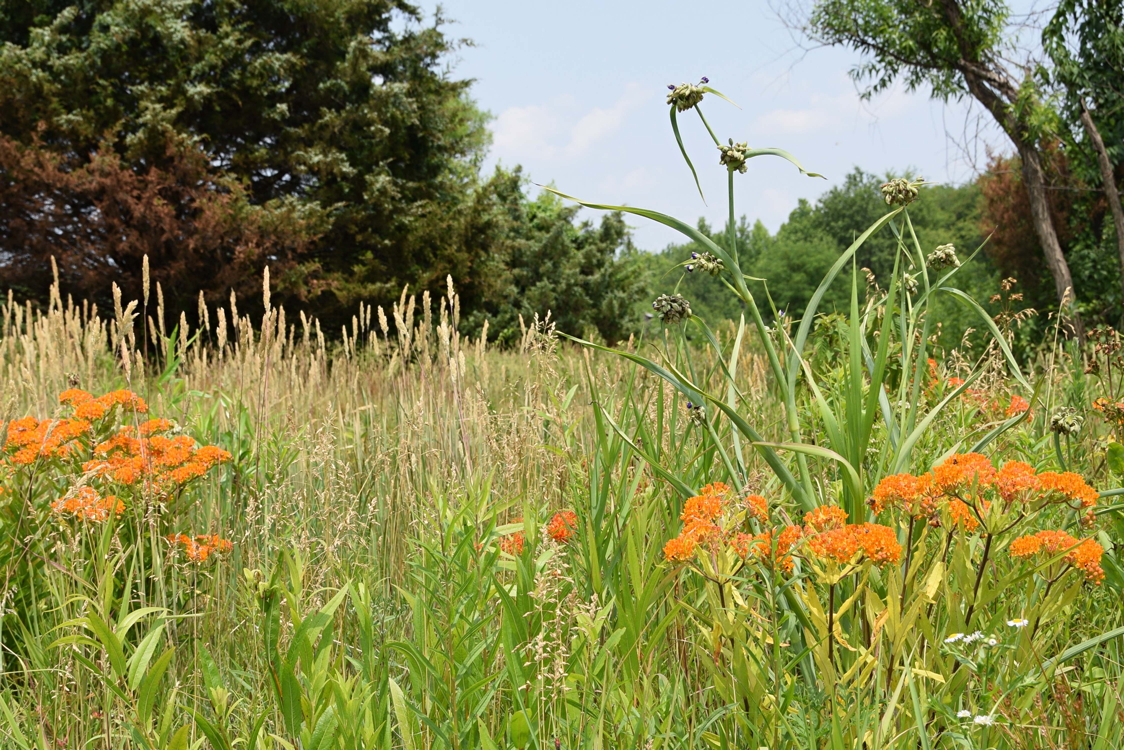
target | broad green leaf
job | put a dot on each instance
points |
(1114, 457)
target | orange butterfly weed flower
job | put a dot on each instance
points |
(962, 470)
(840, 545)
(715, 488)
(91, 410)
(1084, 556)
(1016, 481)
(74, 397)
(1018, 406)
(705, 507)
(125, 399)
(1068, 486)
(963, 516)
(896, 490)
(679, 549)
(696, 532)
(761, 547)
(563, 526)
(879, 543)
(31, 439)
(513, 544)
(757, 507)
(200, 548)
(155, 426)
(825, 518)
(87, 505)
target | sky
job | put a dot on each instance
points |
(577, 93)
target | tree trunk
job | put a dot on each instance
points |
(1109, 180)
(1034, 180)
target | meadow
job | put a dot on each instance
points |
(828, 532)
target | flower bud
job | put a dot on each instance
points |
(707, 262)
(1066, 421)
(733, 156)
(684, 96)
(900, 192)
(672, 308)
(943, 257)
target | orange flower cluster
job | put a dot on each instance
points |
(1067, 487)
(197, 550)
(962, 480)
(512, 544)
(1085, 556)
(825, 518)
(87, 505)
(1016, 481)
(843, 544)
(757, 507)
(916, 494)
(30, 439)
(92, 409)
(167, 462)
(761, 547)
(963, 516)
(699, 528)
(1018, 406)
(563, 526)
(961, 471)
(1112, 411)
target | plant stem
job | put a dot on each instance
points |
(979, 579)
(830, 622)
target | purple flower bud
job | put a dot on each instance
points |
(705, 79)
(690, 405)
(690, 268)
(671, 87)
(694, 256)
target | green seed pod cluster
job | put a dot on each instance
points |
(733, 156)
(672, 308)
(685, 95)
(909, 282)
(697, 413)
(706, 262)
(1066, 421)
(943, 257)
(899, 192)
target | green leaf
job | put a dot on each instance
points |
(784, 155)
(1114, 457)
(180, 738)
(401, 715)
(138, 662)
(146, 692)
(850, 475)
(519, 729)
(683, 150)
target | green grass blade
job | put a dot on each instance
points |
(683, 150)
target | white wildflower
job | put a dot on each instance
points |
(984, 720)
(954, 638)
(1018, 622)
(965, 714)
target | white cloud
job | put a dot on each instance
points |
(792, 121)
(832, 111)
(555, 131)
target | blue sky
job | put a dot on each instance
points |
(577, 91)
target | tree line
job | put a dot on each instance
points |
(329, 140)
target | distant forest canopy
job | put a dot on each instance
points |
(328, 140)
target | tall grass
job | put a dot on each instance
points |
(400, 575)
